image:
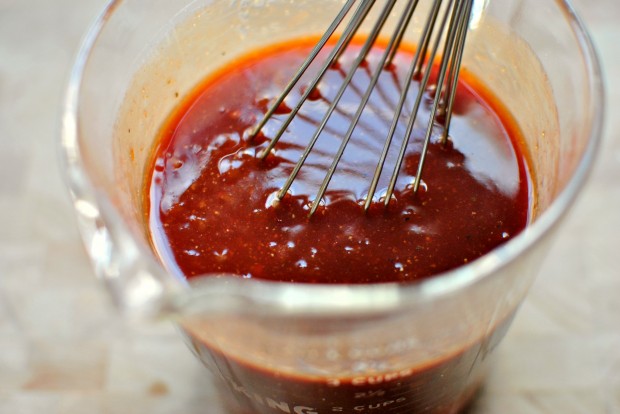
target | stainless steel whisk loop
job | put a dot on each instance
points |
(445, 28)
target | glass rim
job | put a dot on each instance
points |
(323, 297)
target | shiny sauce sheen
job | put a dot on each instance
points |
(211, 200)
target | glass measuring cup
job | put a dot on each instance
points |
(318, 349)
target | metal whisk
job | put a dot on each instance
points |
(451, 20)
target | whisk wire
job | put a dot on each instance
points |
(357, 20)
(418, 57)
(358, 61)
(401, 28)
(426, 38)
(457, 15)
(452, 27)
(304, 66)
(369, 43)
(415, 111)
(455, 64)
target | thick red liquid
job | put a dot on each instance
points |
(211, 211)
(211, 198)
(442, 386)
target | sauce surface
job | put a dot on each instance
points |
(211, 198)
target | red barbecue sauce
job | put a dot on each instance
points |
(211, 199)
(211, 210)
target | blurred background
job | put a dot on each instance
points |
(64, 350)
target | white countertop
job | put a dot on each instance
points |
(63, 349)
